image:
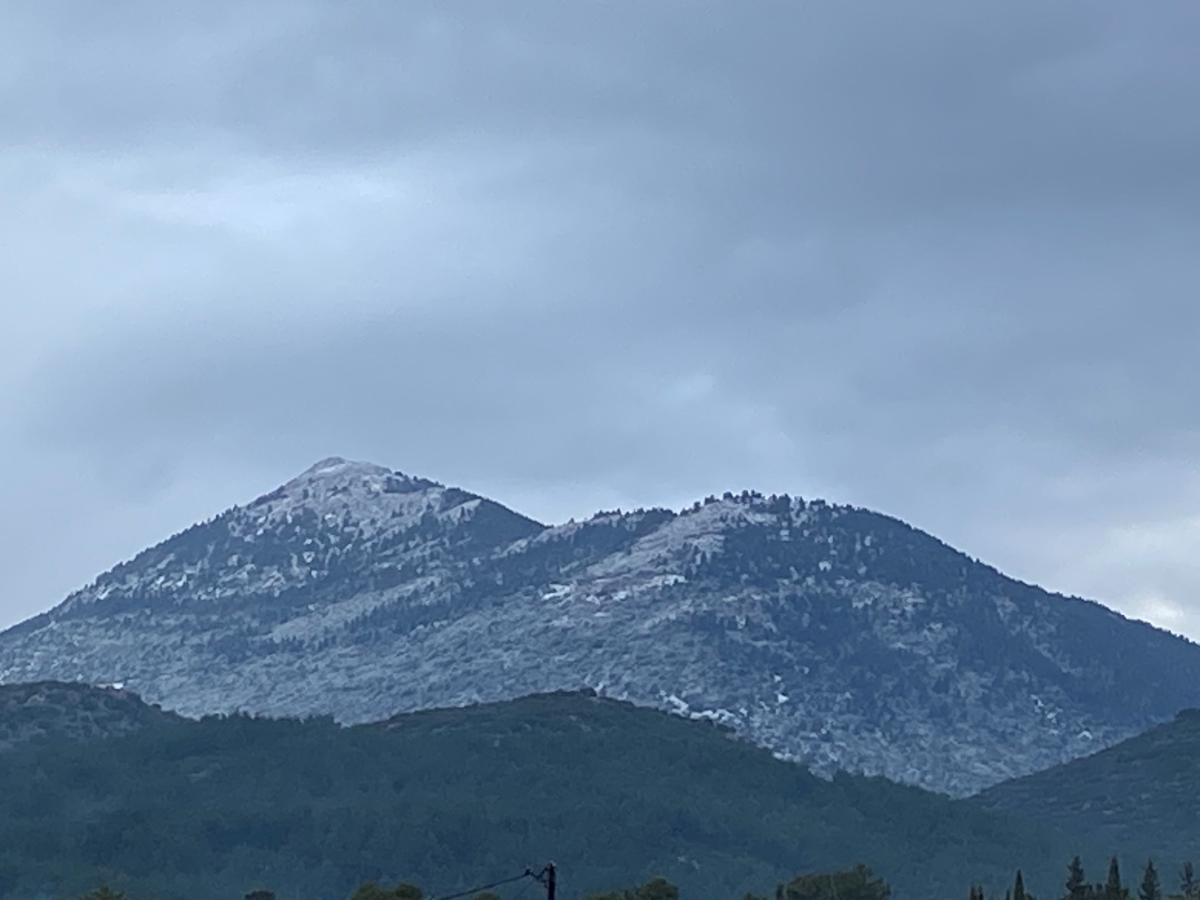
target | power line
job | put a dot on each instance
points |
(546, 877)
(522, 891)
(487, 887)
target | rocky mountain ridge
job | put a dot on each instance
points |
(827, 633)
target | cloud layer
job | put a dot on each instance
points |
(938, 260)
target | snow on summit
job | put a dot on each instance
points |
(340, 490)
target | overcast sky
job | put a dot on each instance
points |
(939, 259)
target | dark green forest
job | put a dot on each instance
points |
(615, 794)
(1142, 795)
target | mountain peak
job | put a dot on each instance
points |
(332, 465)
(340, 469)
(348, 485)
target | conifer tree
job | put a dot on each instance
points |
(1113, 889)
(1077, 886)
(1150, 888)
(1018, 892)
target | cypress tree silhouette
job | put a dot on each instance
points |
(1150, 889)
(1113, 889)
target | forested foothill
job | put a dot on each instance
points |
(157, 806)
(1142, 795)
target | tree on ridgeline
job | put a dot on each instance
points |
(975, 893)
(1077, 885)
(654, 889)
(104, 892)
(1113, 889)
(859, 883)
(373, 891)
(1150, 888)
(1018, 891)
(658, 889)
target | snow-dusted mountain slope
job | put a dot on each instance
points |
(828, 633)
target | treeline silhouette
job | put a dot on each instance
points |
(856, 883)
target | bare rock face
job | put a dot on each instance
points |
(827, 633)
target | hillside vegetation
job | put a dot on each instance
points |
(30, 711)
(1142, 795)
(448, 798)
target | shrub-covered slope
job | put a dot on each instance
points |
(32, 711)
(826, 633)
(449, 798)
(1143, 795)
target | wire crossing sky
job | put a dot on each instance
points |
(936, 259)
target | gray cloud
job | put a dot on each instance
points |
(938, 260)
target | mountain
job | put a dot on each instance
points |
(1143, 795)
(826, 633)
(448, 799)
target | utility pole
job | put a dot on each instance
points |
(549, 877)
